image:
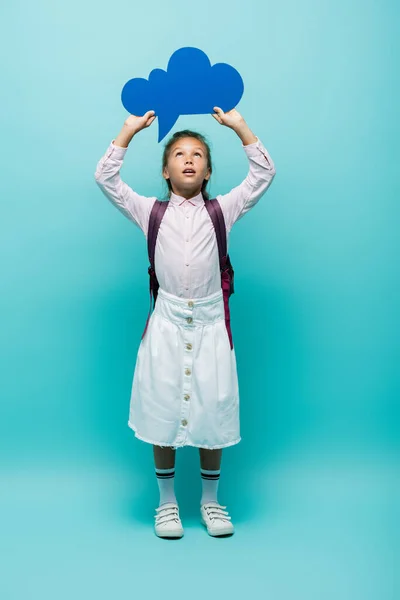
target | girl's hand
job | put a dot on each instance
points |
(232, 118)
(132, 125)
(135, 124)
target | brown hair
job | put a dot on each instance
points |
(167, 150)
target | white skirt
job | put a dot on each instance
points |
(185, 387)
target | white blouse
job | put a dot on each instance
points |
(186, 256)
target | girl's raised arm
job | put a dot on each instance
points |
(135, 207)
(236, 203)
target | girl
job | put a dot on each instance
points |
(185, 388)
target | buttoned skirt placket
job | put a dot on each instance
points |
(187, 366)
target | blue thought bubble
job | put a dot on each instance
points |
(189, 86)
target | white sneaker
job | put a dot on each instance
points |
(168, 523)
(216, 519)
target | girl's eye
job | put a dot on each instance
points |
(181, 153)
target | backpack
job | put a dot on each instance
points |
(227, 273)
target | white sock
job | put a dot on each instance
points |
(209, 481)
(166, 485)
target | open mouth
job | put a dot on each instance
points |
(189, 172)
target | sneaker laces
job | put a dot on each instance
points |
(217, 512)
(166, 514)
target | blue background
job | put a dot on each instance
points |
(311, 487)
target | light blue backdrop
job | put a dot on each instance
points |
(311, 487)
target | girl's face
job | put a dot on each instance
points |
(187, 167)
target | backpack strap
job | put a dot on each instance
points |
(217, 217)
(156, 215)
(214, 210)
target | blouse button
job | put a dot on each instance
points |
(187, 371)
(186, 396)
(189, 319)
(184, 422)
(188, 346)
(191, 303)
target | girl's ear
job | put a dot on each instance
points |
(165, 173)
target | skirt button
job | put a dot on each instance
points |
(186, 396)
(190, 303)
(187, 371)
(188, 346)
(189, 319)
(184, 422)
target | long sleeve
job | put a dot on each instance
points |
(236, 203)
(135, 207)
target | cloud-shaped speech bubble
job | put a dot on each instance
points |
(189, 86)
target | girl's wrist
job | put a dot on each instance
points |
(245, 134)
(125, 136)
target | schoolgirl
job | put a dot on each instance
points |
(185, 388)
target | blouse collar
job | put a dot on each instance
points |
(181, 201)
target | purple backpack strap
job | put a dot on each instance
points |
(156, 215)
(215, 212)
(217, 218)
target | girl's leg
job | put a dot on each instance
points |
(164, 462)
(164, 458)
(210, 469)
